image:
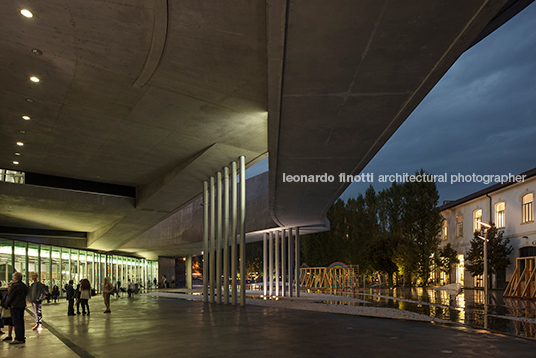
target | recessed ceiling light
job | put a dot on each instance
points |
(23, 132)
(26, 118)
(20, 144)
(26, 13)
(30, 100)
(34, 79)
(15, 162)
(17, 153)
(37, 52)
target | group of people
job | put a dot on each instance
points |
(13, 303)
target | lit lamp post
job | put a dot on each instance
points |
(485, 262)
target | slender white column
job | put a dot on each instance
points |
(206, 247)
(242, 231)
(218, 236)
(290, 262)
(188, 272)
(212, 239)
(265, 264)
(234, 216)
(271, 264)
(276, 263)
(297, 260)
(226, 235)
(283, 263)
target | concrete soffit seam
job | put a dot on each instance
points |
(95, 235)
(145, 192)
(277, 19)
(158, 42)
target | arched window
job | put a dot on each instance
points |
(444, 229)
(527, 209)
(459, 226)
(477, 218)
(499, 215)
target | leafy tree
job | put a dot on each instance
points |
(422, 220)
(499, 249)
(393, 230)
(406, 259)
(324, 248)
(382, 256)
(446, 259)
(360, 231)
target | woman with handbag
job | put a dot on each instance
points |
(85, 295)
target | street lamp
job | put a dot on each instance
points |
(485, 262)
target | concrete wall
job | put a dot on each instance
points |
(184, 229)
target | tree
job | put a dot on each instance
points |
(382, 256)
(393, 230)
(323, 248)
(499, 249)
(406, 259)
(422, 220)
(446, 259)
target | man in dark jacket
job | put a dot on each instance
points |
(70, 298)
(16, 301)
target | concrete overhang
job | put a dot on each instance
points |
(347, 77)
(159, 95)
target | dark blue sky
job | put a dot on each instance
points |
(480, 118)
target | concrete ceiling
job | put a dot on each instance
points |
(154, 95)
(158, 95)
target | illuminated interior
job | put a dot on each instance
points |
(57, 265)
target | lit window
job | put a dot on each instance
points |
(499, 215)
(444, 229)
(478, 219)
(459, 226)
(11, 176)
(527, 208)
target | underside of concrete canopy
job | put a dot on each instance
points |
(138, 102)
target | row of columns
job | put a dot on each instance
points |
(281, 258)
(224, 212)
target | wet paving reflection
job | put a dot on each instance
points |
(505, 315)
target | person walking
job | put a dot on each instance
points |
(16, 301)
(70, 298)
(85, 295)
(107, 290)
(131, 288)
(36, 294)
(118, 289)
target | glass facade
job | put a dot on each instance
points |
(57, 265)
